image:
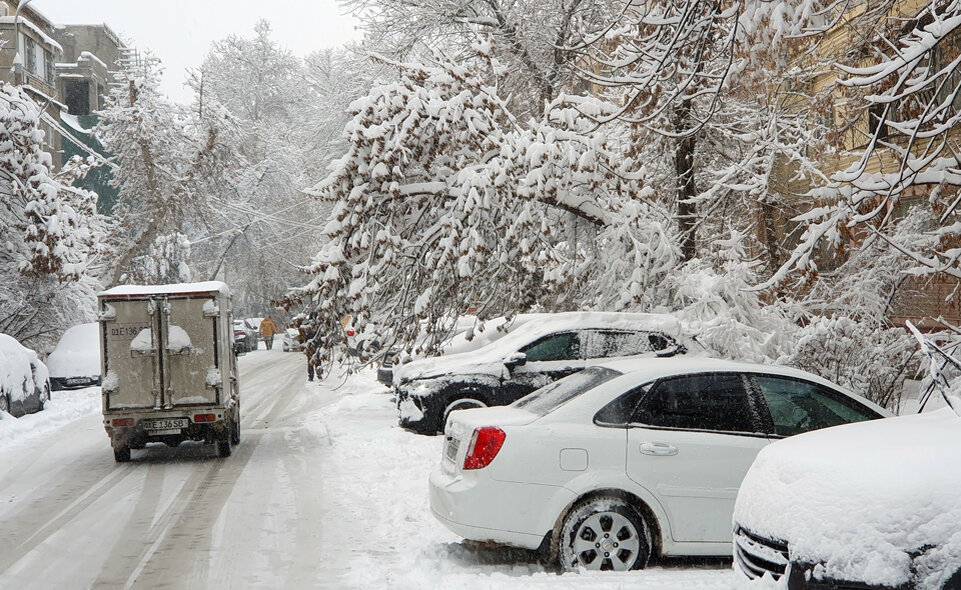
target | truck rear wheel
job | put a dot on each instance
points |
(223, 444)
(235, 430)
(121, 454)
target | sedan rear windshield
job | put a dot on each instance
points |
(549, 397)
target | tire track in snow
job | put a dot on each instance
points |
(178, 539)
(28, 521)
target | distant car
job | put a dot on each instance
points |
(244, 335)
(75, 362)
(24, 380)
(254, 324)
(290, 340)
(541, 351)
(627, 459)
(862, 506)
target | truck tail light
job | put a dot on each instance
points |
(350, 333)
(204, 417)
(484, 446)
(123, 422)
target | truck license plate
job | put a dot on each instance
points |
(165, 424)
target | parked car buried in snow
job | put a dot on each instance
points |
(24, 384)
(463, 336)
(627, 459)
(541, 351)
(170, 373)
(874, 505)
(75, 362)
(290, 340)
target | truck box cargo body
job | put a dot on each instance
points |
(169, 369)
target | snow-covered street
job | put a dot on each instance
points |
(325, 491)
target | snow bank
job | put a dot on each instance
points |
(64, 407)
(860, 499)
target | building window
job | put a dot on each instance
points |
(76, 93)
(30, 57)
(48, 68)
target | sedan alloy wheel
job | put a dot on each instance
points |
(606, 534)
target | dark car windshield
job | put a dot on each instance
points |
(549, 397)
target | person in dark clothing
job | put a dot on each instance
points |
(307, 333)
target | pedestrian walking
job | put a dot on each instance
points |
(307, 333)
(268, 329)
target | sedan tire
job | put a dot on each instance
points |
(604, 533)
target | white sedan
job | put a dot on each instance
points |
(860, 506)
(626, 460)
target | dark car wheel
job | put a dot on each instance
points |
(460, 404)
(954, 583)
(604, 533)
(4, 404)
(235, 430)
(223, 445)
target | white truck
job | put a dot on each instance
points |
(169, 366)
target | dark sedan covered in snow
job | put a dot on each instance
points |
(544, 350)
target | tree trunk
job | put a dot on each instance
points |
(686, 191)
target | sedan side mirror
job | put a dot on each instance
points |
(518, 359)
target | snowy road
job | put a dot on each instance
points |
(323, 492)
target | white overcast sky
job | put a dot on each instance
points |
(179, 32)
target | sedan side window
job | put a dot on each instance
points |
(799, 406)
(709, 401)
(565, 346)
(611, 343)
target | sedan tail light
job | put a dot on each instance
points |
(484, 446)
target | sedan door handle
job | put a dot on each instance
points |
(658, 449)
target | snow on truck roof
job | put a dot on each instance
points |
(135, 290)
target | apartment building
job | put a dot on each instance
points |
(853, 122)
(28, 58)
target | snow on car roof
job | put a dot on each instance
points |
(860, 498)
(584, 320)
(202, 287)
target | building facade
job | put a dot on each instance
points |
(28, 58)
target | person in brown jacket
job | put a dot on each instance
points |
(268, 329)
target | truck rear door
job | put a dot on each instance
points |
(132, 378)
(190, 352)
